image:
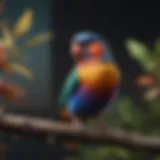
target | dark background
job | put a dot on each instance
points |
(116, 20)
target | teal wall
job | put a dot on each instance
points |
(39, 91)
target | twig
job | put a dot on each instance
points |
(43, 127)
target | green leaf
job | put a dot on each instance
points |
(124, 108)
(129, 114)
(157, 51)
(154, 110)
(157, 158)
(38, 39)
(24, 23)
(141, 53)
(137, 49)
(121, 153)
(157, 46)
(22, 70)
(113, 152)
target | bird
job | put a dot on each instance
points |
(93, 82)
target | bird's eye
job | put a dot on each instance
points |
(96, 49)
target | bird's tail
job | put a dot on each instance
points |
(69, 145)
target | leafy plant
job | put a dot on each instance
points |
(11, 36)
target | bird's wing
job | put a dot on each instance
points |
(70, 86)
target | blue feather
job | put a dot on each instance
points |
(85, 104)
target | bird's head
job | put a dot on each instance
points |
(86, 45)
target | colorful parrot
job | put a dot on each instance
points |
(93, 81)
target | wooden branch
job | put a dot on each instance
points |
(42, 127)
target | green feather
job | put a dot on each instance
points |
(70, 86)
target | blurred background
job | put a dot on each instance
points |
(132, 30)
(37, 57)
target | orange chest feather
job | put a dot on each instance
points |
(99, 76)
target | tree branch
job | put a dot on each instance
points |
(42, 127)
